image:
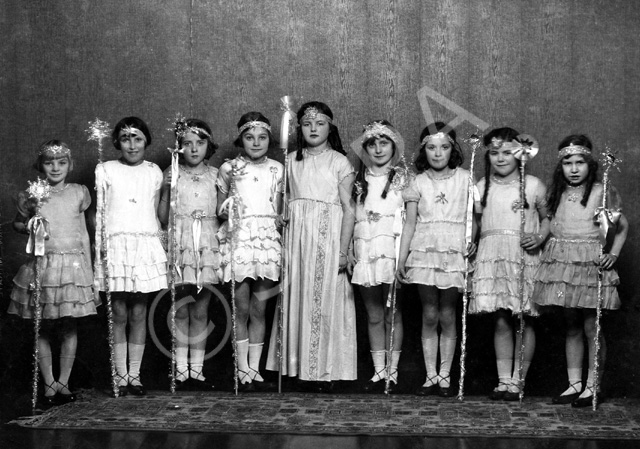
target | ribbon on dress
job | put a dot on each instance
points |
(607, 221)
(196, 230)
(38, 228)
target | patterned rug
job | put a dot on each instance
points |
(297, 413)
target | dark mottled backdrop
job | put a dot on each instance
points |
(547, 68)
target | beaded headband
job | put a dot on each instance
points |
(573, 149)
(438, 135)
(377, 130)
(54, 151)
(130, 130)
(253, 124)
(312, 113)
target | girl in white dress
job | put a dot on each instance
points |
(433, 249)
(319, 328)
(379, 210)
(137, 262)
(197, 254)
(257, 181)
(66, 274)
(497, 274)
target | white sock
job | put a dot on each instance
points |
(504, 373)
(255, 352)
(447, 351)
(135, 360)
(182, 363)
(393, 369)
(430, 354)
(575, 381)
(243, 364)
(589, 390)
(120, 359)
(379, 365)
(197, 363)
(515, 378)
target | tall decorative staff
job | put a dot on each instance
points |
(233, 205)
(39, 191)
(475, 140)
(605, 218)
(179, 128)
(97, 131)
(526, 147)
(285, 128)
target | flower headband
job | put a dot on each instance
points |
(438, 135)
(54, 151)
(312, 113)
(497, 143)
(130, 130)
(572, 150)
(253, 124)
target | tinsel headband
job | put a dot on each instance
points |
(377, 130)
(198, 130)
(437, 135)
(54, 151)
(497, 143)
(132, 131)
(312, 113)
(572, 150)
(253, 124)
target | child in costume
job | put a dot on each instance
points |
(497, 274)
(379, 210)
(197, 254)
(251, 185)
(128, 199)
(568, 273)
(319, 323)
(433, 248)
(65, 272)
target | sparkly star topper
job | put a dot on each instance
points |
(610, 159)
(39, 190)
(98, 130)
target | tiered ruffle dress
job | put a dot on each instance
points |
(374, 236)
(196, 215)
(437, 248)
(137, 262)
(496, 279)
(319, 317)
(66, 275)
(257, 252)
(568, 274)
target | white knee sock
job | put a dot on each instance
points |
(182, 363)
(120, 359)
(197, 363)
(243, 364)
(135, 360)
(393, 369)
(504, 373)
(447, 351)
(379, 365)
(430, 354)
(255, 352)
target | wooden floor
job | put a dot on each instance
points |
(15, 437)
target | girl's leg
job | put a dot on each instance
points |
(137, 316)
(590, 334)
(430, 298)
(503, 344)
(374, 299)
(120, 313)
(262, 291)
(199, 318)
(242, 296)
(46, 367)
(529, 350)
(398, 333)
(182, 338)
(574, 347)
(448, 300)
(67, 357)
